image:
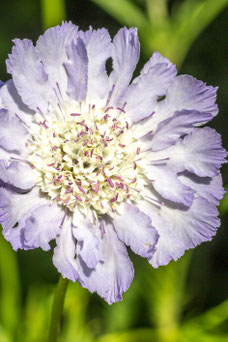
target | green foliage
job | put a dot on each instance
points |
(223, 208)
(155, 306)
(171, 35)
(9, 291)
(53, 12)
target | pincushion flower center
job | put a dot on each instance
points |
(86, 157)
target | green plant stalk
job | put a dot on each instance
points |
(57, 309)
(52, 12)
(171, 35)
(10, 288)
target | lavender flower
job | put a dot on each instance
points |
(98, 163)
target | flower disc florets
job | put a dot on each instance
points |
(86, 158)
(98, 162)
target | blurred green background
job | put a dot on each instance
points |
(185, 301)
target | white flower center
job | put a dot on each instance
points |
(87, 158)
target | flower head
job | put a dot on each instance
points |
(98, 162)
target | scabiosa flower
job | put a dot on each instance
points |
(98, 162)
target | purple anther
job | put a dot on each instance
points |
(81, 189)
(93, 106)
(127, 188)
(81, 123)
(110, 182)
(90, 182)
(54, 135)
(106, 117)
(115, 198)
(43, 124)
(121, 109)
(121, 145)
(70, 183)
(118, 177)
(67, 200)
(103, 170)
(82, 133)
(54, 148)
(97, 187)
(133, 181)
(86, 153)
(90, 130)
(75, 114)
(127, 125)
(119, 185)
(104, 142)
(51, 164)
(78, 198)
(135, 165)
(138, 150)
(85, 142)
(107, 109)
(91, 152)
(68, 191)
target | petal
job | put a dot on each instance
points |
(12, 101)
(98, 46)
(29, 76)
(111, 277)
(125, 54)
(51, 49)
(206, 187)
(135, 229)
(89, 241)
(171, 129)
(186, 92)
(167, 184)
(17, 174)
(16, 208)
(180, 228)
(13, 134)
(77, 70)
(193, 225)
(154, 80)
(64, 253)
(200, 152)
(43, 225)
(168, 247)
(189, 93)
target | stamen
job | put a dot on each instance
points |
(110, 182)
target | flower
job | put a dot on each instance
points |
(98, 163)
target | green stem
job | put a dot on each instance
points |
(57, 309)
(52, 12)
